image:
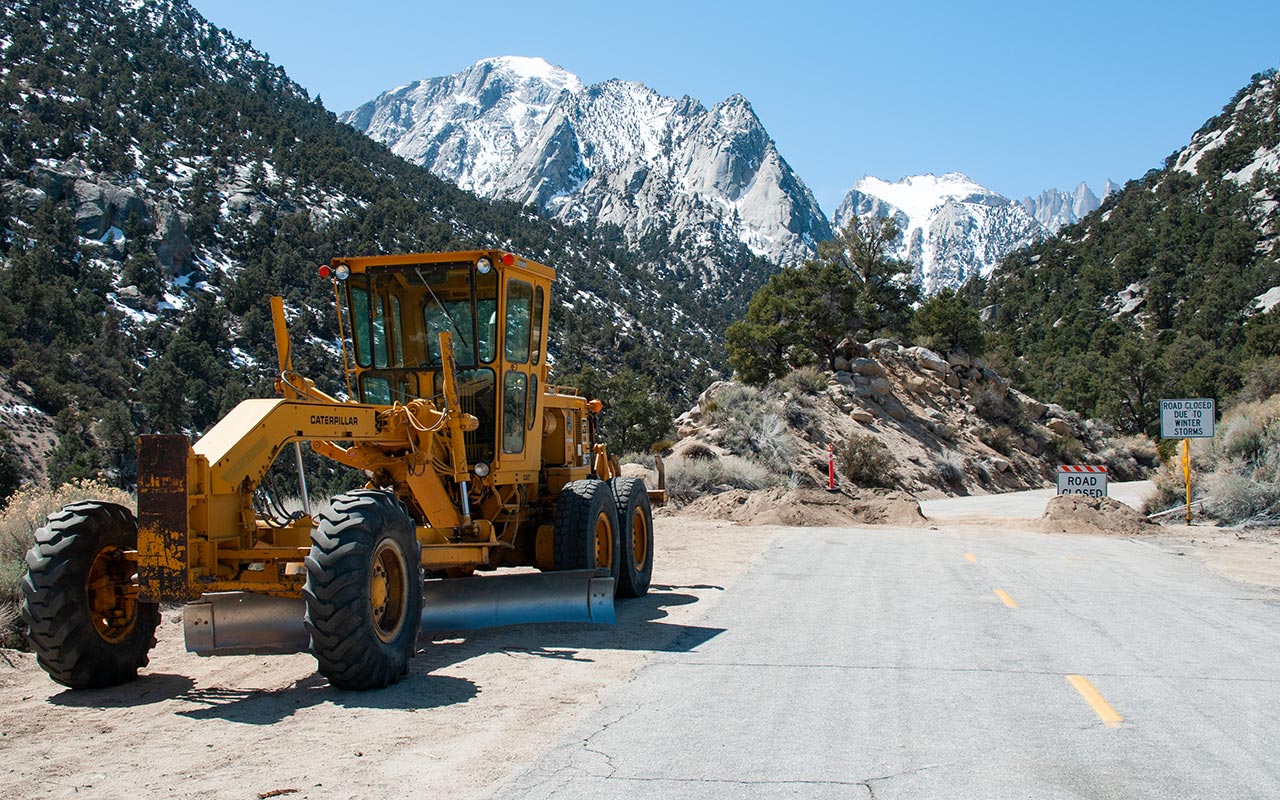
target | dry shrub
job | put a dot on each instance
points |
(948, 469)
(1001, 438)
(698, 451)
(750, 424)
(691, 478)
(25, 512)
(866, 461)
(806, 380)
(1244, 486)
(1129, 458)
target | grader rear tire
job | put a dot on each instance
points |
(364, 591)
(636, 518)
(586, 531)
(88, 629)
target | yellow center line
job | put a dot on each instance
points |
(970, 558)
(1091, 696)
(1008, 601)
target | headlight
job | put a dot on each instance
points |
(342, 272)
(481, 469)
(483, 265)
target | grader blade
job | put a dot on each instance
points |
(243, 623)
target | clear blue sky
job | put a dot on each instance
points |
(1021, 96)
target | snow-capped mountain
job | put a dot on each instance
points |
(1055, 208)
(661, 168)
(950, 227)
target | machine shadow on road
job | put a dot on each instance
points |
(639, 628)
(415, 692)
(153, 687)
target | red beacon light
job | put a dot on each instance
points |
(325, 271)
(508, 259)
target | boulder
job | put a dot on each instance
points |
(918, 384)
(880, 386)
(894, 409)
(709, 394)
(989, 313)
(882, 345)
(1060, 427)
(951, 379)
(862, 416)
(841, 364)
(842, 378)
(866, 366)
(1033, 407)
(1057, 411)
(928, 359)
(172, 246)
(1031, 445)
(851, 348)
(129, 296)
(1000, 465)
(959, 358)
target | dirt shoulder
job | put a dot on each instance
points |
(476, 706)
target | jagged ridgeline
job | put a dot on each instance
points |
(161, 179)
(1170, 289)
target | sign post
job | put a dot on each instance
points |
(1087, 480)
(1187, 419)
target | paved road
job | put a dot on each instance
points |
(954, 663)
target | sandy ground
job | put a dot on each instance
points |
(476, 706)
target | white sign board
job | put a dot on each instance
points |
(1187, 419)
(1082, 480)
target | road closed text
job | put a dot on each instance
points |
(1091, 481)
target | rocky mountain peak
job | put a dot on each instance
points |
(663, 169)
(950, 226)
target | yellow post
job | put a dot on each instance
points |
(1186, 473)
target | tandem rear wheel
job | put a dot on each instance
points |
(607, 525)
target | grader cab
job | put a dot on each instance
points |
(474, 461)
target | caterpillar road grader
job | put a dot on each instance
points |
(474, 462)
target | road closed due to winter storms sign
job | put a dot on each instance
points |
(1187, 419)
(1082, 480)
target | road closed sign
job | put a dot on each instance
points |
(1187, 419)
(1082, 480)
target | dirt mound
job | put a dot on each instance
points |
(809, 507)
(1077, 513)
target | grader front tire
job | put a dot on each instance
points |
(87, 627)
(364, 591)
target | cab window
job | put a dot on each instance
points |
(519, 310)
(514, 394)
(487, 313)
(536, 338)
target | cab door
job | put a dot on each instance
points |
(523, 367)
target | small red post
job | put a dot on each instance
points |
(831, 468)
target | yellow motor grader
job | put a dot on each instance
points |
(474, 462)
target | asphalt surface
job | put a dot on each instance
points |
(962, 662)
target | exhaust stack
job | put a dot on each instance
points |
(243, 623)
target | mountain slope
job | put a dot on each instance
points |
(951, 228)
(1162, 291)
(693, 188)
(159, 178)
